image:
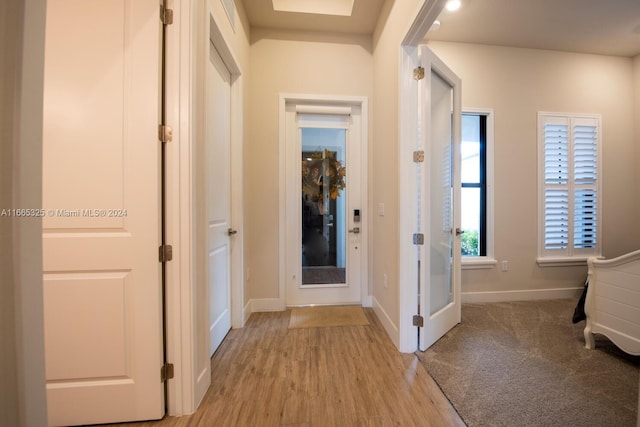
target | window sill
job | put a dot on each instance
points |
(562, 262)
(478, 263)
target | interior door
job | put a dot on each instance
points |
(101, 222)
(324, 205)
(218, 184)
(440, 219)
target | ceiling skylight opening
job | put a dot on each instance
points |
(324, 7)
(453, 5)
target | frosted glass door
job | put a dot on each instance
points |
(440, 259)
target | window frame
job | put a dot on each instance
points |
(569, 256)
(487, 260)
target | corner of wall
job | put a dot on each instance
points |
(636, 109)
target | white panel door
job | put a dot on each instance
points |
(218, 184)
(101, 225)
(440, 218)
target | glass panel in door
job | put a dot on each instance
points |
(440, 291)
(441, 195)
(323, 206)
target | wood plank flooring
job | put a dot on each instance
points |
(268, 375)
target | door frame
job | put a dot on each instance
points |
(333, 101)
(408, 204)
(186, 40)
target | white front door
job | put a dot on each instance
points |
(101, 217)
(440, 199)
(218, 194)
(326, 208)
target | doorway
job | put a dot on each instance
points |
(325, 200)
(424, 227)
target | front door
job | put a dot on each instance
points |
(325, 208)
(218, 195)
(101, 217)
(439, 271)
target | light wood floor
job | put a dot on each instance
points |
(268, 375)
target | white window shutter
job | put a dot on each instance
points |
(569, 192)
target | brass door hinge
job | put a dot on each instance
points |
(418, 156)
(418, 73)
(166, 372)
(166, 16)
(418, 321)
(418, 239)
(166, 253)
(165, 133)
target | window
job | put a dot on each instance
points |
(569, 182)
(475, 195)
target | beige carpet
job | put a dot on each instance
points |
(524, 364)
(320, 317)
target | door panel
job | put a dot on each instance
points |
(440, 257)
(218, 184)
(101, 229)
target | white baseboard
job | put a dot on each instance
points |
(389, 326)
(525, 295)
(367, 301)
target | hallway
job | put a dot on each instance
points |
(268, 375)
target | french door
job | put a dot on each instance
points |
(325, 218)
(439, 255)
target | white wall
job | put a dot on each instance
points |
(517, 83)
(22, 377)
(287, 62)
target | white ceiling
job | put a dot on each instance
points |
(362, 20)
(609, 27)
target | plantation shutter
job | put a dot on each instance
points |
(569, 197)
(585, 165)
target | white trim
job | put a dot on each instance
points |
(387, 322)
(323, 109)
(367, 301)
(478, 263)
(180, 320)
(525, 295)
(187, 388)
(561, 261)
(408, 205)
(237, 202)
(426, 14)
(407, 120)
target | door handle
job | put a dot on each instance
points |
(355, 230)
(231, 232)
(459, 231)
